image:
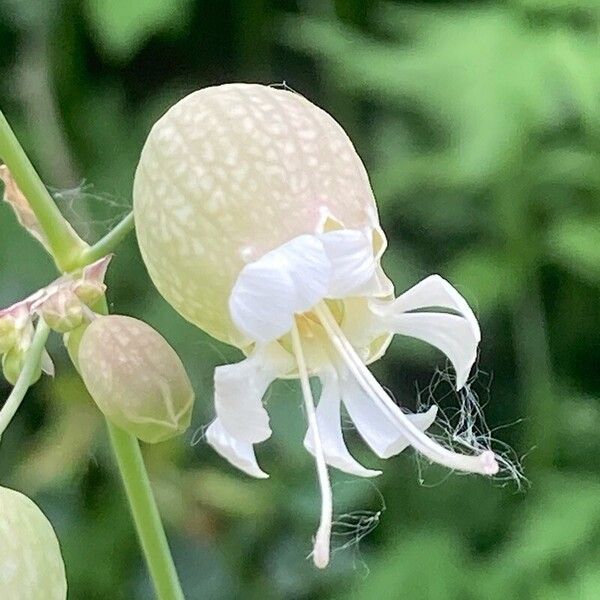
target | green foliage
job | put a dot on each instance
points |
(494, 115)
(123, 27)
(480, 129)
(575, 243)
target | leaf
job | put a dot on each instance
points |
(405, 571)
(485, 277)
(123, 27)
(557, 533)
(575, 244)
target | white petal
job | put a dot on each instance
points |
(451, 334)
(457, 336)
(240, 454)
(353, 264)
(239, 390)
(436, 291)
(290, 279)
(374, 424)
(329, 424)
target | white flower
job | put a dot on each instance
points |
(256, 221)
(313, 306)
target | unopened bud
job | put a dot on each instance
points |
(8, 333)
(89, 292)
(12, 365)
(62, 311)
(135, 377)
(31, 565)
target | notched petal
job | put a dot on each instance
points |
(435, 291)
(449, 333)
(239, 390)
(374, 424)
(90, 287)
(239, 453)
(288, 280)
(457, 335)
(352, 262)
(330, 430)
(47, 364)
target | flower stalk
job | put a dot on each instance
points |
(32, 361)
(108, 243)
(65, 246)
(69, 253)
(145, 514)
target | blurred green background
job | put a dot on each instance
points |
(479, 124)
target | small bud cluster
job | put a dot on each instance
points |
(134, 376)
(64, 305)
(67, 301)
(16, 334)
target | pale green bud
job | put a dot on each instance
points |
(31, 565)
(89, 292)
(12, 365)
(62, 311)
(135, 377)
(8, 333)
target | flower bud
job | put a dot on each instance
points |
(31, 565)
(8, 333)
(62, 311)
(135, 377)
(228, 174)
(12, 365)
(89, 292)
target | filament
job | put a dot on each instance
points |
(484, 463)
(322, 543)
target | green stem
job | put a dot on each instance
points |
(64, 243)
(143, 507)
(145, 514)
(67, 250)
(32, 362)
(109, 242)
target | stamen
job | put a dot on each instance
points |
(484, 463)
(323, 538)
